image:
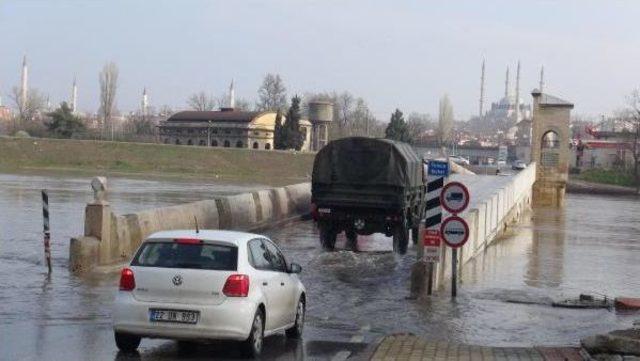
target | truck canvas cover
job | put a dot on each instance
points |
(362, 162)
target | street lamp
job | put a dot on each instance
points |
(209, 134)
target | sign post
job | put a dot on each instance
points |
(437, 172)
(46, 231)
(454, 230)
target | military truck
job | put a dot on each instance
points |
(362, 186)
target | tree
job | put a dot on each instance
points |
(634, 118)
(418, 124)
(202, 102)
(351, 115)
(108, 88)
(397, 128)
(272, 93)
(445, 121)
(278, 142)
(291, 134)
(35, 103)
(64, 123)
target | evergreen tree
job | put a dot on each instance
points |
(293, 136)
(64, 123)
(397, 128)
(278, 141)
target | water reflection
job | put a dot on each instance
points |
(545, 263)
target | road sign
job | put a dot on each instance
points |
(431, 240)
(455, 231)
(438, 168)
(454, 197)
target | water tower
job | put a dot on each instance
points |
(320, 115)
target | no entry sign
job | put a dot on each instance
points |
(454, 197)
(455, 231)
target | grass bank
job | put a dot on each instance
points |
(159, 160)
(605, 176)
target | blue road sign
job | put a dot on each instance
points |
(438, 168)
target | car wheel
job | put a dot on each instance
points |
(327, 238)
(401, 238)
(127, 342)
(298, 327)
(253, 345)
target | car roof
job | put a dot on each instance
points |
(234, 237)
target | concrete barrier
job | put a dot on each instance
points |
(488, 220)
(111, 238)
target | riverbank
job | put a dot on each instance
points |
(581, 186)
(274, 168)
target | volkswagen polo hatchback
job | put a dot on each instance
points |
(208, 285)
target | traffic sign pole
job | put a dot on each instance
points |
(454, 230)
(454, 272)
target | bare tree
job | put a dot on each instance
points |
(418, 124)
(272, 93)
(202, 102)
(108, 88)
(34, 105)
(445, 121)
(352, 116)
(634, 119)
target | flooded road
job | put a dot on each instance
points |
(593, 245)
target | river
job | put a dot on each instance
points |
(592, 245)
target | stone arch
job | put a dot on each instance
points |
(267, 146)
(166, 140)
(178, 141)
(202, 142)
(256, 145)
(550, 140)
(189, 142)
(214, 143)
(239, 144)
(227, 144)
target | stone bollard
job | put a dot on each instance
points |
(97, 219)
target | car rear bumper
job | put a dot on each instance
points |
(230, 320)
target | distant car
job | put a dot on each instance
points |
(189, 285)
(459, 159)
(501, 162)
(518, 165)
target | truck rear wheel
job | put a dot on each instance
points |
(327, 238)
(400, 239)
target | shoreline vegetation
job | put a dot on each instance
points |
(272, 168)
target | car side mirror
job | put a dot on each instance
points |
(295, 268)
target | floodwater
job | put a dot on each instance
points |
(592, 245)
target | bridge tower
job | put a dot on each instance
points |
(550, 148)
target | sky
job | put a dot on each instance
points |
(395, 54)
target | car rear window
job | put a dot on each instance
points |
(179, 255)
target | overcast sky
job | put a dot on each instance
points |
(403, 54)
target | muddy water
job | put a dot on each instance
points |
(593, 245)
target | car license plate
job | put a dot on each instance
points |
(179, 316)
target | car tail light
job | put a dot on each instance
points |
(187, 241)
(127, 280)
(236, 286)
(314, 212)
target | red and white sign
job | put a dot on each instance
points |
(455, 231)
(431, 240)
(454, 197)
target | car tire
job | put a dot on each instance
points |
(298, 326)
(401, 238)
(252, 346)
(327, 238)
(127, 342)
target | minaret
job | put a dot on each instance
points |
(145, 102)
(48, 103)
(74, 96)
(506, 85)
(517, 112)
(232, 96)
(24, 83)
(481, 110)
(542, 79)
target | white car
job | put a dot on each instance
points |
(223, 285)
(459, 159)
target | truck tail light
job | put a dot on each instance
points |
(236, 286)
(127, 280)
(314, 212)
